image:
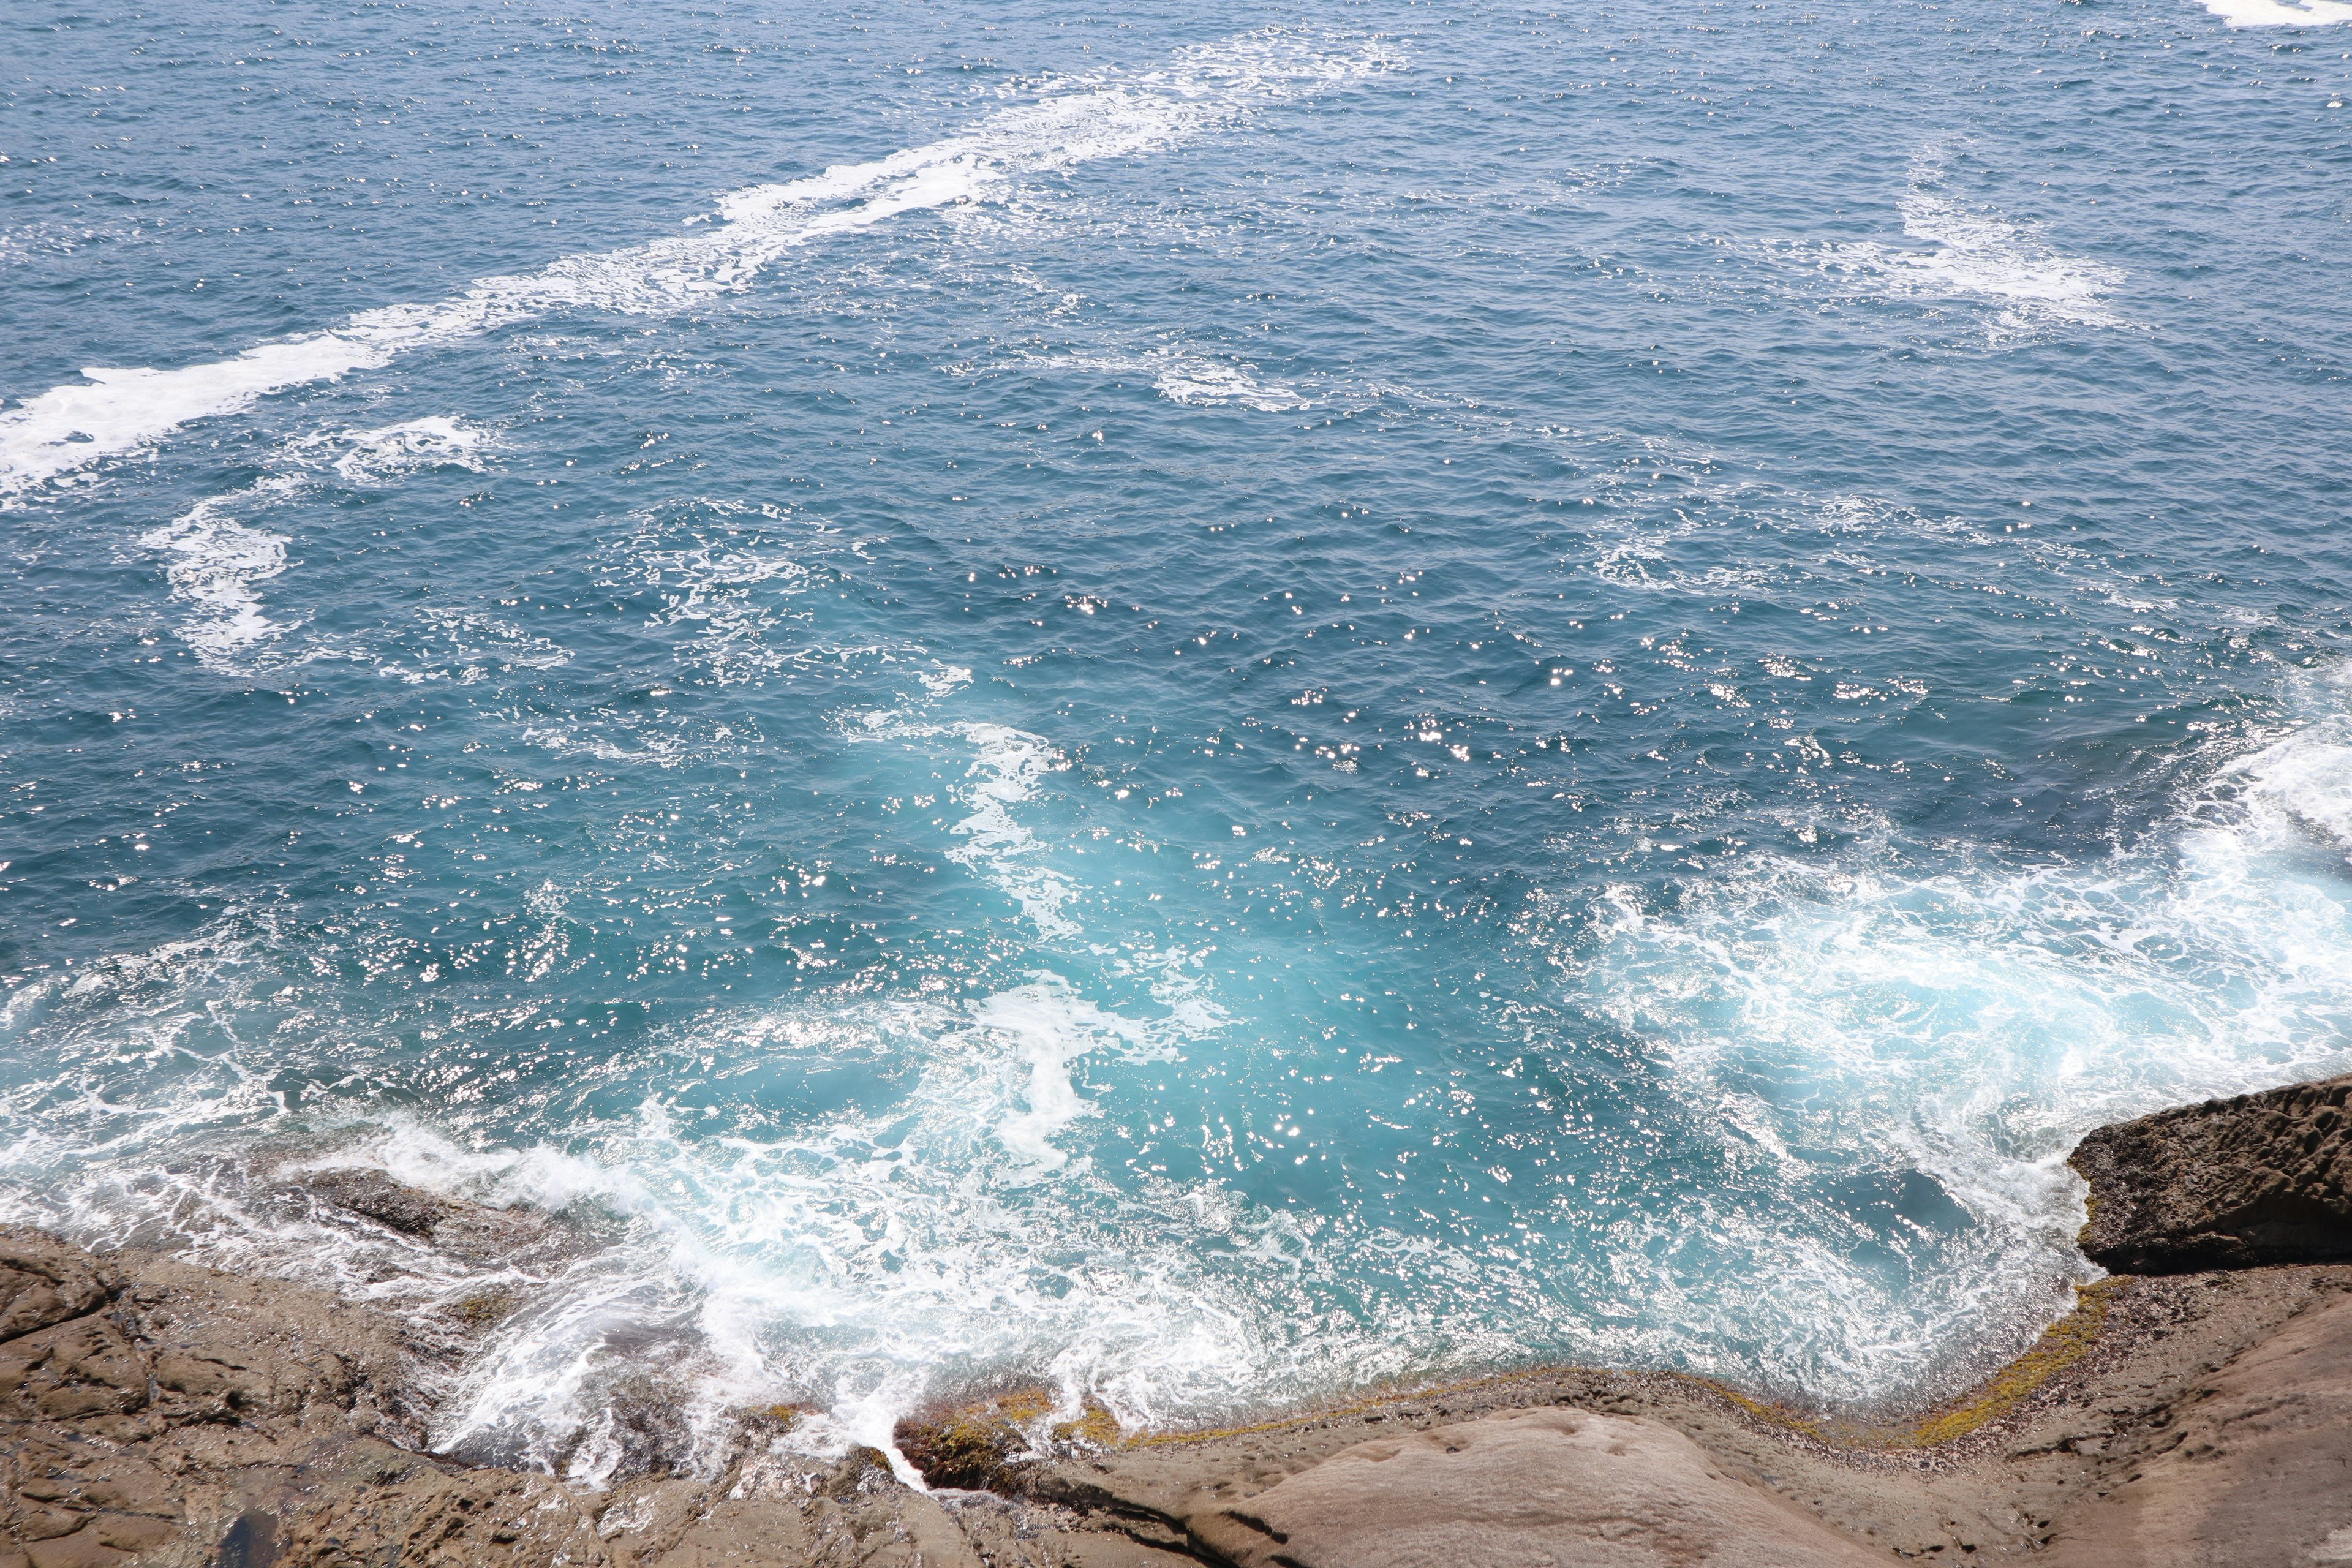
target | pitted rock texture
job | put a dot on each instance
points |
(2231, 1184)
(152, 1412)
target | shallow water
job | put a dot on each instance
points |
(1205, 702)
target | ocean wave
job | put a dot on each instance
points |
(1969, 1023)
(1117, 114)
(860, 1258)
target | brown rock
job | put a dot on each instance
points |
(84, 1366)
(374, 1196)
(80, 1550)
(42, 1284)
(1533, 1489)
(972, 1445)
(2251, 1470)
(2231, 1184)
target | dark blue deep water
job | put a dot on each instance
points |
(1201, 702)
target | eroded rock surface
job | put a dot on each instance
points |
(1532, 1488)
(374, 1195)
(156, 1414)
(151, 1413)
(2231, 1184)
(2253, 1468)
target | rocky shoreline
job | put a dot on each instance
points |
(2195, 1408)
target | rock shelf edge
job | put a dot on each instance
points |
(2194, 1409)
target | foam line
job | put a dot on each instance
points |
(116, 410)
(2280, 13)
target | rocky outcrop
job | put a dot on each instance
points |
(154, 1414)
(151, 1413)
(2231, 1184)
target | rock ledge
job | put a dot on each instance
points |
(2231, 1183)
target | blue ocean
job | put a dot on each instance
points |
(1206, 704)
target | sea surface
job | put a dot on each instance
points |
(1201, 703)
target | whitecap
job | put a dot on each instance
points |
(856, 1258)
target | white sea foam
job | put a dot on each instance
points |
(383, 456)
(1968, 251)
(467, 646)
(1971, 1024)
(854, 1258)
(118, 410)
(1006, 769)
(721, 571)
(2301, 786)
(1050, 1030)
(2280, 13)
(213, 562)
(1191, 376)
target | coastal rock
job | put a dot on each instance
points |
(144, 1410)
(2231, 1184)
(41, 1284)
(1530, 1489)
(374, 1195)
(181, 1417)
(157, 1414)
(2248, 1470)
(972, 1445)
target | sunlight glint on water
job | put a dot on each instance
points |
(1205, 711)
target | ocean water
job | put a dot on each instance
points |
(1204, 703)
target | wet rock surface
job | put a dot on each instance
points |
(374, 1195)
(2231, 1184)
(156, 1413)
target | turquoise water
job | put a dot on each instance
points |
(1200, 703)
